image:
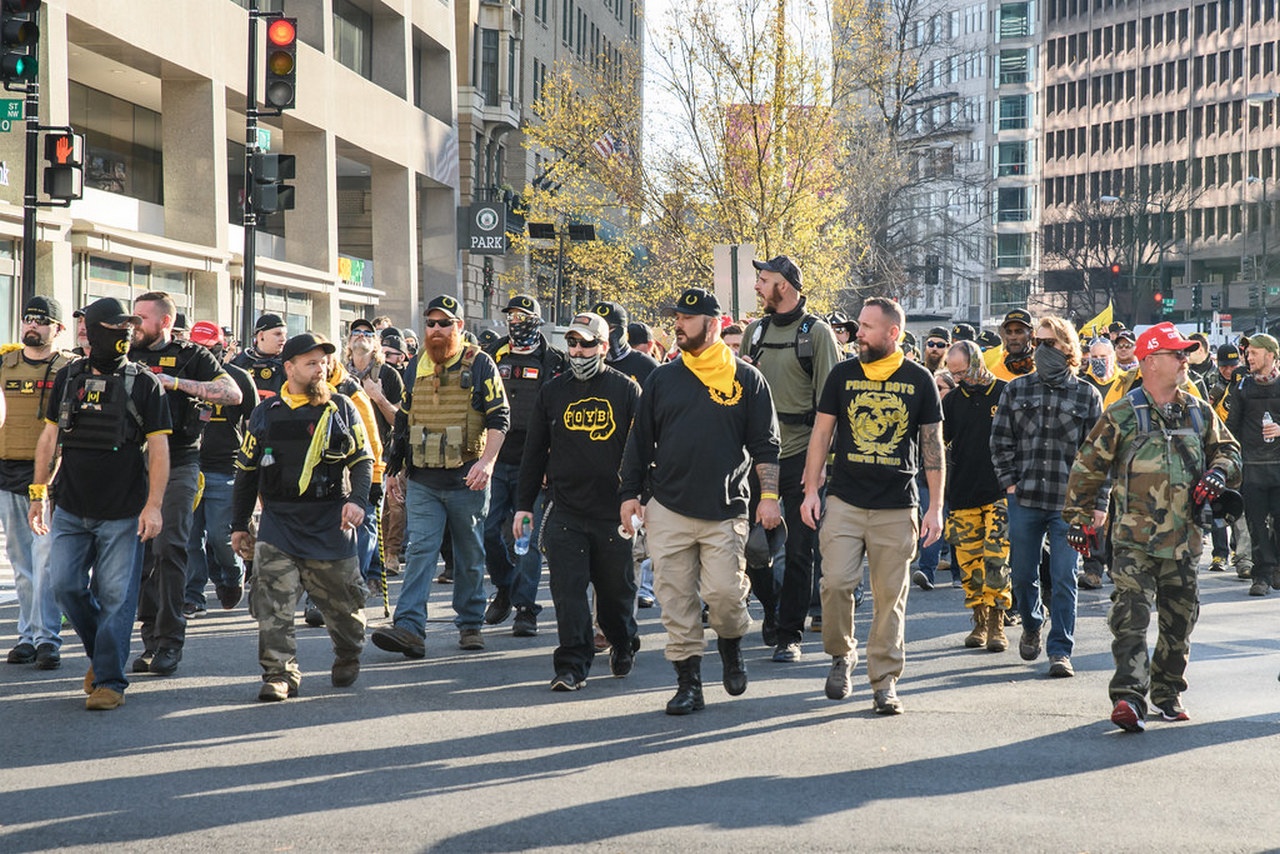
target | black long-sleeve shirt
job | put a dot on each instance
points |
(697, 447)
(576, 437)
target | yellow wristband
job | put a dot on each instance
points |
(768, 496)
(175, 383)
(37, 491)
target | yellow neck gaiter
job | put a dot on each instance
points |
(426, 367)
(884, 368)
(714, 367)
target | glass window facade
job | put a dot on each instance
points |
(122, 144)
(353, 37)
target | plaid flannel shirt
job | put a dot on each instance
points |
(1035, 434)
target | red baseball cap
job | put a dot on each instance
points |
(206, 334)
(1162, 336)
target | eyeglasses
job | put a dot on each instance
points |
(37, 319)
(1046, 342)
(363, 333)
(437, 324)
(1180, 355)
(582, 343)
(936, 345)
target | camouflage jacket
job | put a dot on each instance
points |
(1152, 474)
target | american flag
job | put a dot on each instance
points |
(608, 145)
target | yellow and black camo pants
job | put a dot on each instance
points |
(981, 538)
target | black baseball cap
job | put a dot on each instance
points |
(393, 342)
(1228, 354)
(1018, 315)
(782, 265)
(613, 314)
(488, 337)
(360, 323)
(108, 310)
(840, 320)
(1116, 327)
(987, 339)
(523, 302)
(388, 331)
(47, 307)
(1127, 335)
(638, 333)
(180, 321)
(447, 304)
(963, 332)
(939, 332)
(305, 343)
(695, 301)
(268, 321)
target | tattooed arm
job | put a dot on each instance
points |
(932, 454)
(222, 389)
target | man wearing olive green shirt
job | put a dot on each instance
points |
(795, 350)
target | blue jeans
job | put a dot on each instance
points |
(39, 617)
(367, 542)
(928, 560)
(427, 511)
(100, 603)
(519, 577)
(1028, 526)
(209, 553)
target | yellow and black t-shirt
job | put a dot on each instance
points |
(877, 449)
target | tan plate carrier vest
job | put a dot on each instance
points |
(24, 420)
(445, 431)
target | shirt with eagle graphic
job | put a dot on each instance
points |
(877, 447)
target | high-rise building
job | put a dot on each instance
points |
(158, 90)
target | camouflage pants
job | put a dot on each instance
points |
(1171, 585)
(336, 589)
(981, 538)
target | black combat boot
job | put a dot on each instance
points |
(735, 669)
(688, 698)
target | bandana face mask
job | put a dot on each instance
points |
(523, 329)
(585, 367)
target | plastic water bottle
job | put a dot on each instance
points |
(1266, 419)
(526, 534)
(267, 458)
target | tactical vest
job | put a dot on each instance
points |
(289, 434)
(522, 375)
(1154, 445)
(444, 430)
(26, 391)
(97, 411)
(189, 414)
(267, 372)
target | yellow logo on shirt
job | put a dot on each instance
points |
(878, 423)
(593, 416)
(730, 399)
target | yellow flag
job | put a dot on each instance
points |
(1099, 324)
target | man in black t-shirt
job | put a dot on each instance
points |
(577, 432)
(703, 421)
(884, 413)
(209, 551)
(107, 495)
(193, 380)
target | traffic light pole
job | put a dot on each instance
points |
(250, 272)
(31, 175)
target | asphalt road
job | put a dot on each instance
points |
(472, 752)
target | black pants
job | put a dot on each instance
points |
(1260, 504)
(164, 564)
(790, 602)
(579, 552)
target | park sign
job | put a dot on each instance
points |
(483, 231)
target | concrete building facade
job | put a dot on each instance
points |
(158, 89)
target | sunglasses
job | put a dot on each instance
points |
(437, 324)
(575, 341)
(363, 333)
(37, 319)
(936, 345)
(1046, 342)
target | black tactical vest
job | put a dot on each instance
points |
(288, 435)
(97, 411)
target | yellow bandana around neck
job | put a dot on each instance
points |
(882, 369)
(714, 367)
(426, 367)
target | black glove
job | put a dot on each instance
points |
(1083, 538)
(375, 495)
(1210, 486)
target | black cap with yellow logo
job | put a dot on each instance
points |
(521, 302)
(696, 301)
(613, 314)
(446, 304)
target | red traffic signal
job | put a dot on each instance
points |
(1115, 269)
(282, 63)
(1159, 298)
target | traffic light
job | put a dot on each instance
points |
(1159, 300)
(1197, 296)
(1115, 273)
(282, 63)
(64, 174)
(1255, 296)
(1215, 301)
(19, 40)
(270, 193)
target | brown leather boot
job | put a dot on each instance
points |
(996, 641)
(978, 636)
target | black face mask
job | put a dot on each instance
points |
(618, 346)
(108, 348)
